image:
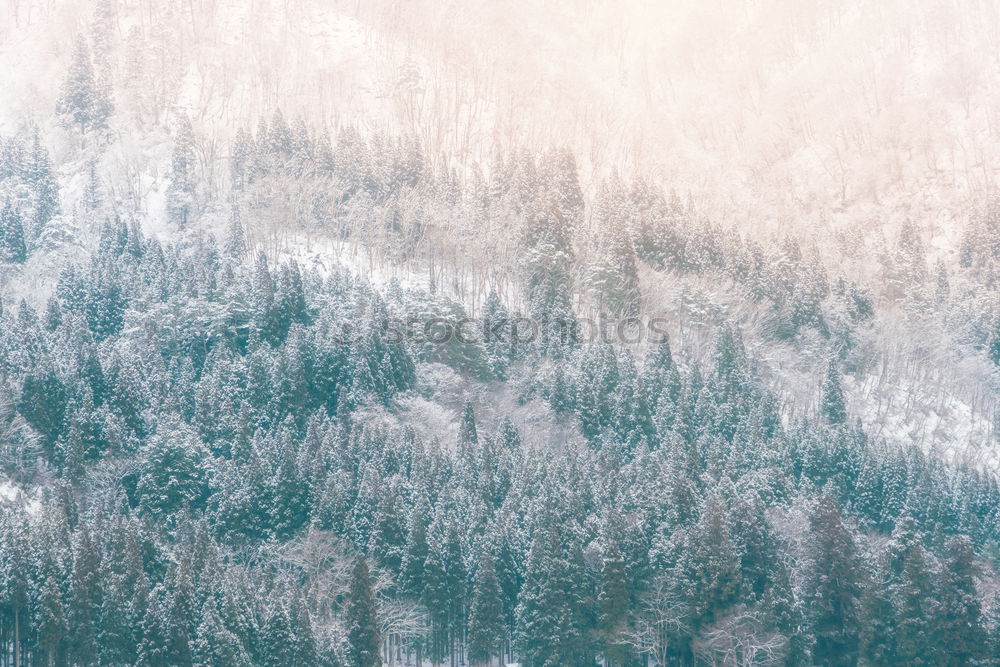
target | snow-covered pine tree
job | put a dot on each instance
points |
(435, 597)
(155, 647)
(993, 351)
(236, 242)
(44, 189)
(553, 613)
(12, 245)
(546, 259)
(913, 601)
(415, 551)
(82, 101)
(92, 196)
(613, 278)
(833, 586)
(613, 606)
(51, 622)
(832, 404)
(386, 542)
(467, 434)
(239, 160)
(497, 336)
(361, 618)
(172, 471)
(84, 595)
(708, 572)
(279, 139)
(958, 629)
(116, 628)
(485, 614)
(878, 619)
(181, 191)
(213, 644)
(276, 646)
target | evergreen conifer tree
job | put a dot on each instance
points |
(181, 192)
(552, 613)
(613, 606)
(832, 406)
(485, 615)
(362, 619)
(236, 242)
(415, 552)
(958, 629)
(12, 244)
(44, 189)
(467, 435)
(834, 586)
(214, 645)
(82, 101)
(913, 602)
(878, 620)
(51, 622)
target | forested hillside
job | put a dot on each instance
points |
(298, 367)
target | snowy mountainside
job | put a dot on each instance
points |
(351, 334)
(377, 68)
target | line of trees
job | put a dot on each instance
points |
(220, 473)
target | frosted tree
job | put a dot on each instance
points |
(958, 624)
(415, 551)
(103, 34)
(12, 246)
(613, 279)
(180, 193)
(994, 347)
(553, 609)
(913, 592)
(242, 151)
(741, 638)
(83, 596)
(833, 586)
(279, 137)
(41, 181)
(546, 258)
(708, 572)
(92, 197)
(362, 619)
(613, 606)
(172, 473)
(878, 619)
(832, 397)
(660, 623)
(236, 241)
(467, 434)
(102, 27)
(82, 101)
(214, 644)
(485, 615)
(52, 630)
(613, 276)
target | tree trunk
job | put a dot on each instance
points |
(17, 637)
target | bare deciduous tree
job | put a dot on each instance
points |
(662, 617)
(741, 638)
(325, 560)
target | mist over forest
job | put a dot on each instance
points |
(359, 333)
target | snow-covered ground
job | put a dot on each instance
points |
(12, 494)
